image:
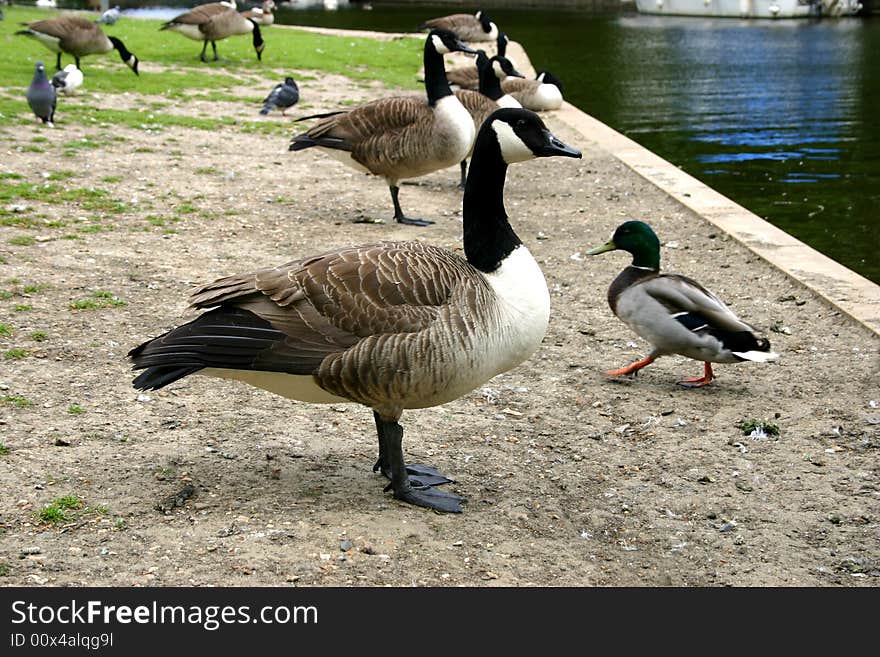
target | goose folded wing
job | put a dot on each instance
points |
(329, 303)
(683, 296)
(370, 127)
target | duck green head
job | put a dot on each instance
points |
(637, 238)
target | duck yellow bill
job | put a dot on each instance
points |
(610, 246)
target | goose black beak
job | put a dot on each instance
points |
(460, 46)
(516, 74)
(556, 147)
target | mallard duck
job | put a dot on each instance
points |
(674, 313)
(392, 325)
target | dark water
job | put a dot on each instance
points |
(781, 116)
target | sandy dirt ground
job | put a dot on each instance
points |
(572, 479)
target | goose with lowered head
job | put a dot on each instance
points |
(212, 22)
(391, 325)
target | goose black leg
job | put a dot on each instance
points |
(401, 218)
(423, 476)
(76, 60)
(204, 49)
(390, 439)
(58, 62)
(463, 174)
(214, 46)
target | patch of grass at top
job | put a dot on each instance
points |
(99, 299)
(62, 175)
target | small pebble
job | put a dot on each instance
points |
(346, 545)
(31, 550)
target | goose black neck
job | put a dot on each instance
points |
(490, 85)
(258, 37)
(488, 236)
(436, 84)
(124, 54)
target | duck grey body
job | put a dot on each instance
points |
(392, 325)
(41, 96)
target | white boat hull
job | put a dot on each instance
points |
(750, 8)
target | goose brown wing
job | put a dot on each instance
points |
(201, 15)
(680, 294)
(328, 303)
(466, 77)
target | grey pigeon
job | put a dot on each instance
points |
(283, 97)
(110, 16)
(41, 96)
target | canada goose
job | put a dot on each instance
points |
(78, 37)
(539, 95)
(674, 313)
(212, 22)
(401, 137)
(41, 96)
(392, 325)
(68, 80)
(468, 77)
(480, 104)
(283, 97)
(110, 16)
(467, 27)
(262, 15)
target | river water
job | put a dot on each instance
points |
(781, 116)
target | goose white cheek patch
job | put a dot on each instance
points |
(513, 149)
(439, 46)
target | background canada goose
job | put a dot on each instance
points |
(283, 97)
(68, 80)
(468, 77)
(393, 326)
(467, 27)
(263, 15)
(78, 37)
(41, 96)
(480, 104)
(110, 16)
(674, 313)
(401, 137)
(212, 22)
(541, 94)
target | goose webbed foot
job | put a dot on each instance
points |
(411, 483)
(401, 218)
(699, 381)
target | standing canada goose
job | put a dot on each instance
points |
(480, 104)
(539, 95)
(674, 313)
(262, 15)
(68, 80)
(212, 22)
(392, 326)
(110, 16)
(467, 27)
(468, 77)
(283, 97)
(78, 37)
(41, 96)
(401, 137)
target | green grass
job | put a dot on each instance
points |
(22, 240)
(6, 330)
(21, 307)
(75, 409)
(16, 400)
(69, 507)
(4, 450)
(394, 62)
(39, 336)
(99, 299)
(758, 426)
(4, 569)
(16, 354)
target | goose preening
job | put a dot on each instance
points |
(392, 325)
(211, 23)
(467, 27)
(41, 96)
(262, 15)
(468, 77)
(78, 37)
(110, 16)
(68, 80)
(284, 96)
(539, 95)
(674, 313)
(400, 137)
(480, 104)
